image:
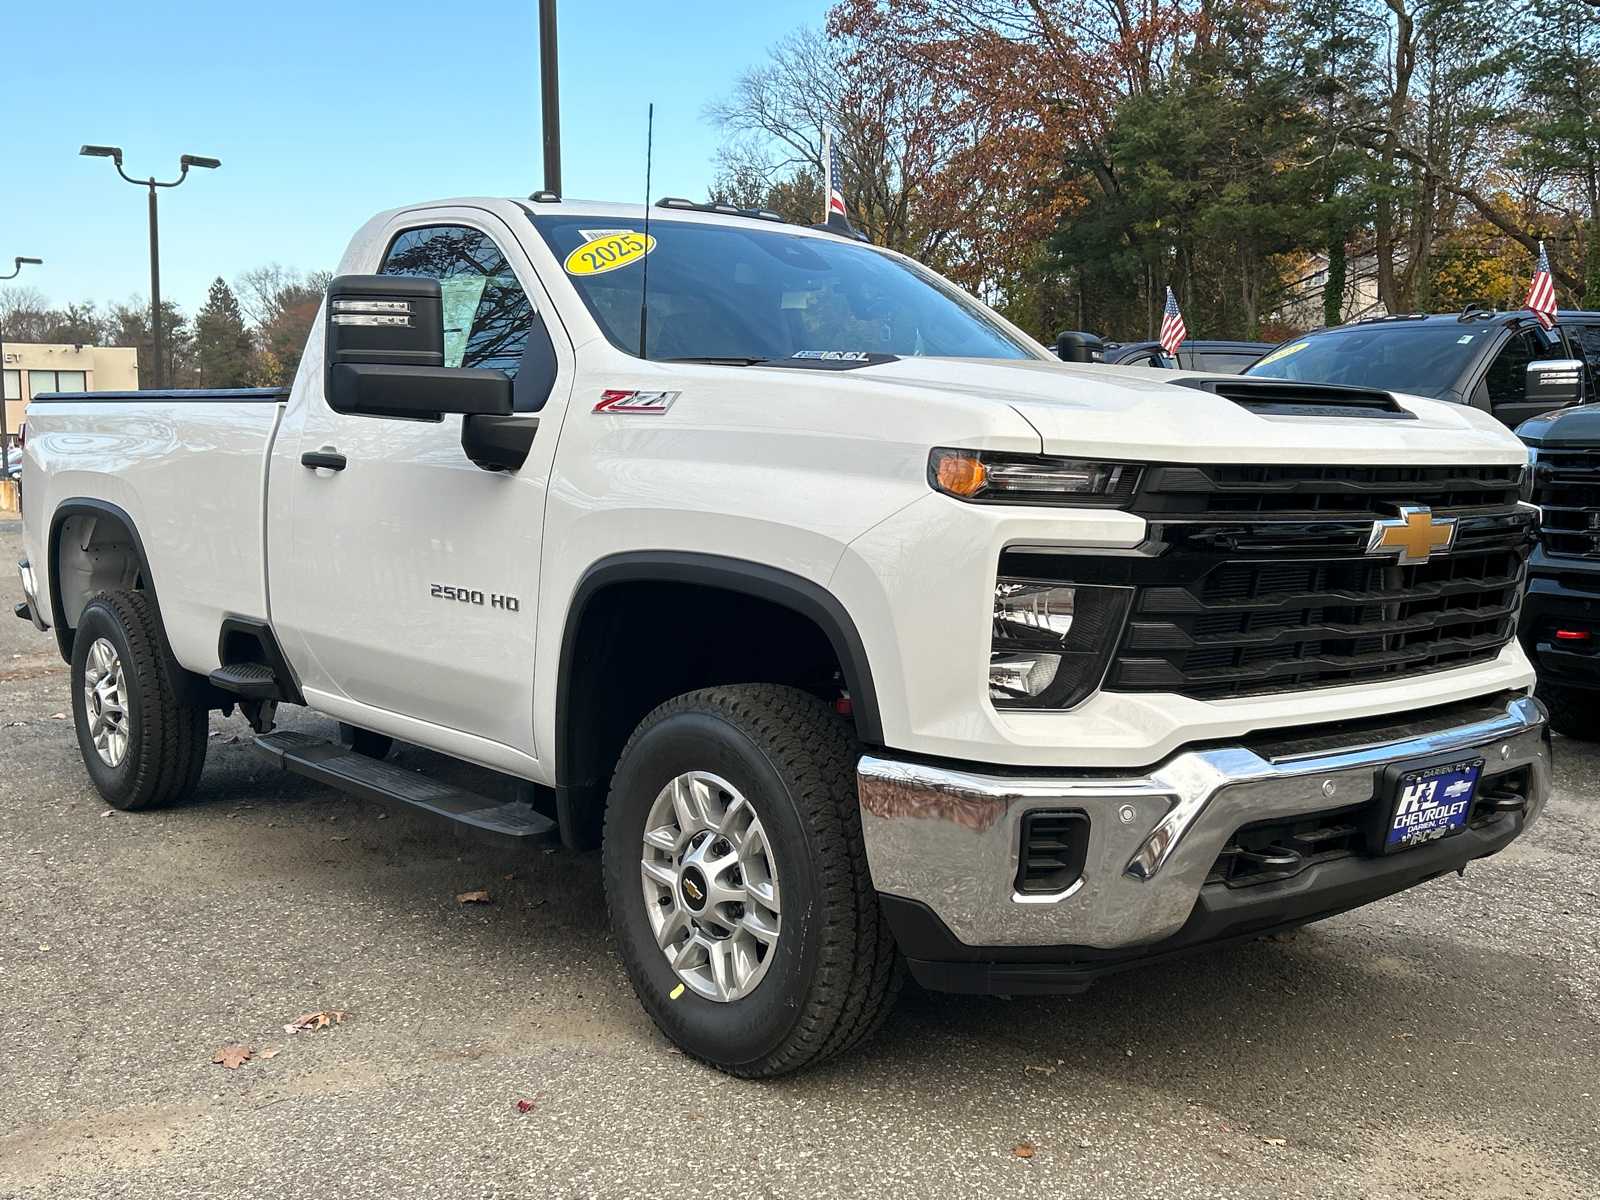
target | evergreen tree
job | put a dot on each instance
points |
(222, 345)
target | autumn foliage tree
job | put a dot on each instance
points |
(1070, 159)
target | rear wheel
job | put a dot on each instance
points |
(738, 883)
(142, 744)
(1573, 711)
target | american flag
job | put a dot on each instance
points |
(1542, 292)
(835, 179)
(1173, 330)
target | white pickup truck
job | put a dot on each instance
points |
(855, 628)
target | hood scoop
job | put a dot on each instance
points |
(1286, 398)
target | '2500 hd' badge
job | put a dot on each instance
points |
(463, 595)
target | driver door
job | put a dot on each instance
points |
(409, 579)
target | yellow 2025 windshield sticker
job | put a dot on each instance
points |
(608, 252)
(1282, 352)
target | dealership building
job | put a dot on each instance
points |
(32, 369)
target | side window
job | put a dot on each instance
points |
(1508, 373)
(486, 312)
(1585, 342)
(1225, 364)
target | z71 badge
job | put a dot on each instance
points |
(654, 403)
(472, 596)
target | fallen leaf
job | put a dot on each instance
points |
(58, 716)
(317, 1020)
(270, 1053)
(1405, 1035)
(1291, 991)
(44, 947)
(1274, 1141)
(473, 898)
(1041, 1070)
(1023, 1150)
(513, 875)
(693, 1116)
(231, 1056)
(526, 1106)
(339, 839)
(109, 811)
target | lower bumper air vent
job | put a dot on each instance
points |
(1054, 848)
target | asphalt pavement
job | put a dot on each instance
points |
(1443, 1043)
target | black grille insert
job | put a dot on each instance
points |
(1054, 847)
(1260, 581)
(1567, 490)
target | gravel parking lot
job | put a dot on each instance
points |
(1442, 1043)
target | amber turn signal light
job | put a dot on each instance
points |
(961, 474)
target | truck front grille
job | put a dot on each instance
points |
(1255, 579)
(1567, 490)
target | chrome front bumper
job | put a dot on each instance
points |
(950, 838)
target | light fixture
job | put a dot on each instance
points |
(985, 476)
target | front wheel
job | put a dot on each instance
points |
(142, 744)
(737, 880)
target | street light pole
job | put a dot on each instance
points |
(114, 153)
(5, 458)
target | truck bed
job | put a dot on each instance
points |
(187, 468)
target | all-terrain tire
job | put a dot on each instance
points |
(1573, 711)
(835, 972)
(160, 751)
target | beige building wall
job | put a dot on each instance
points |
(32, 368)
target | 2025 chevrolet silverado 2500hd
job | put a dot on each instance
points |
(848, 623)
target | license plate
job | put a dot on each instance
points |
(1430, 803)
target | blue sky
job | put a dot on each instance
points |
(325, 113)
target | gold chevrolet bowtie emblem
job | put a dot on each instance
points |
(1416, 533)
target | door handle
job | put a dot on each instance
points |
(321, 459)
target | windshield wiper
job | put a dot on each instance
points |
(724, 362)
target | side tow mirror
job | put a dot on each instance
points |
(384, 354)
(1557, 382)
(1073, 346)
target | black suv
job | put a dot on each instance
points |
(1504, 363)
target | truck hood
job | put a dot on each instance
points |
(1577, 427)
(1142, 415)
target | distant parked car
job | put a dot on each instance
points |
(1219, 358)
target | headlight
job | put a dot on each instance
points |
(1051, 643)
(983, 476)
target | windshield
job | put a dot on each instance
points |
(1424, 360)
(725, 292)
